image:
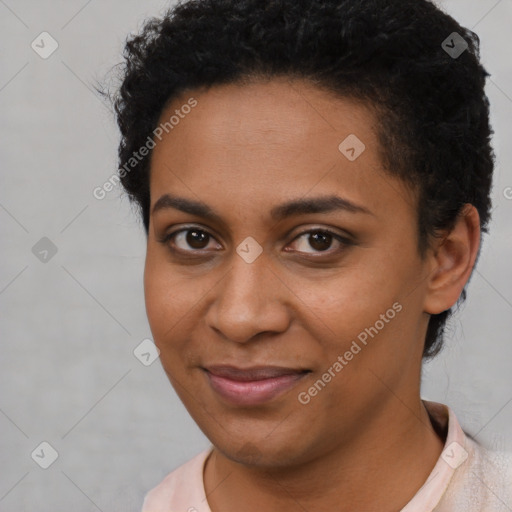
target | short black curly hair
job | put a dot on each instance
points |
(433, 114)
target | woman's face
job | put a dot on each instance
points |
(317, 310)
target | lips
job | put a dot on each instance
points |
(253, 373)
(252, 386)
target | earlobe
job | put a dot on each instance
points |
(453, 258)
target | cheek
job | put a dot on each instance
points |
(351, 298)
(168, 299)
(176, 304)
(170, 312)
(367, 310)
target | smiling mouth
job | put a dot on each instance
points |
(252, 386)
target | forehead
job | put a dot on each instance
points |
(266, 141)
(280, 112)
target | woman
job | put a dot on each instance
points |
(314, 180)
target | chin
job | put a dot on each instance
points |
(260, 453)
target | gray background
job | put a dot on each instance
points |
(68, 375)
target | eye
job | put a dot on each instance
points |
(194, 239)
(320, 240)
(189, 239)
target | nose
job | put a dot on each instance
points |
(250, 299)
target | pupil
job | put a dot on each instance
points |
(320, 241)
(195, 238)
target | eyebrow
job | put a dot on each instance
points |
(322, 204)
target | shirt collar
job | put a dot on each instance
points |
(455, 452)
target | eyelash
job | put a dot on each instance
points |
(344, 241)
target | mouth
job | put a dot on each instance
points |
(252, 386)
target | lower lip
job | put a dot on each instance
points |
(252, 392)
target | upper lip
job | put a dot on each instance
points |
(252, 373)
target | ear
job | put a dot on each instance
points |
(452, 258)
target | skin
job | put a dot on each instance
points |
(365, 441)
